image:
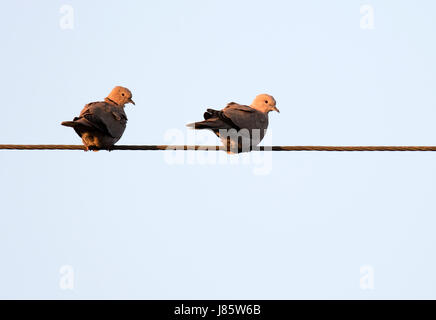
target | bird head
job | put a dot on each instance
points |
(120, 96)
(264, 103)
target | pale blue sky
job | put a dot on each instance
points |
(134, 226)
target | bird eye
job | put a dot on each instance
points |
(122, 94)
(266, 101)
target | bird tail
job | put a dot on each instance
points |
(211, 118)
(71, 124)
(199, 125)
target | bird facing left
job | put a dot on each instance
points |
(101, 124)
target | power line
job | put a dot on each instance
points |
(218, 148)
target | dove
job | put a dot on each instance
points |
(101, 124)
(239, 127)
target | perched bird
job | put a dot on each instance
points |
(101, 124)
(239, 127)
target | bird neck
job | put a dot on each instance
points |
(262, 109)
(110, 101)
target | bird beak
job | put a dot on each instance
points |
(131, 101)
(275, 109)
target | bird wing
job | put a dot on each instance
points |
(245, 117)
(108, 119)
(233, 116)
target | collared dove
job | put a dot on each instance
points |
(238, 126)
(101, 124)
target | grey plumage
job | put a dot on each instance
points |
(101, 124)
(239, 127)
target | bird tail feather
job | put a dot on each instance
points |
(199, 125)
(71, 124)
(211, 124)
(211, 121)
